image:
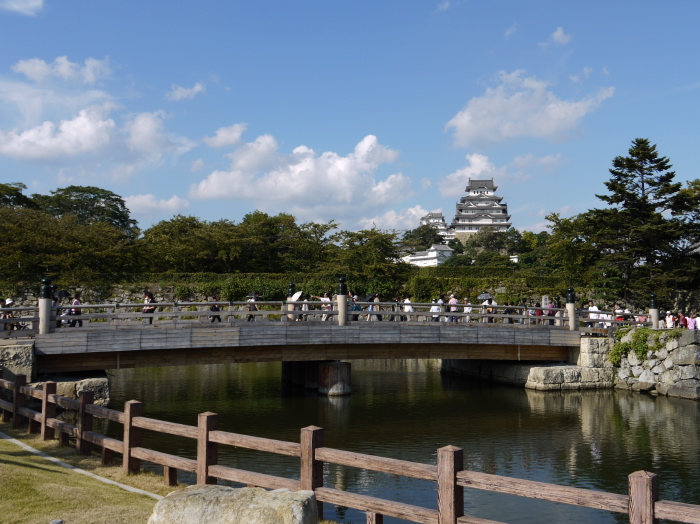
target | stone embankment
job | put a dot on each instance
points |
(673, 369)
(588, 368)
(17, 358)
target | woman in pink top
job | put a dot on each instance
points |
(692, 322)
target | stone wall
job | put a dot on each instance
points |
(588, 368)
(672, 370)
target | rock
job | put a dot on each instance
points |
(688, 372)
(668, 363)
(633, 359)
(224, 505)
(17, 359)
(623, 373)
(658, 369)
(687, 355)
(646, 376)
(685, 389)
(637, 370)
(643, 386)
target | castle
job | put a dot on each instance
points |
(479, 208)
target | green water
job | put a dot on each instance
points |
(407, 410)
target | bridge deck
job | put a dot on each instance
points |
(145, 346)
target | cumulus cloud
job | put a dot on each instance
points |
(89, 131)
(147, 139)
(316, 186)
(178, 93)
(226, 136)
(61, 68)
(444, 5)
(479, 167)
(521, 106)
(404, 219)
(511, 31)
(24, 7)
(149, 205)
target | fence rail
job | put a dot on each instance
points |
(640, 503)
(21, 322)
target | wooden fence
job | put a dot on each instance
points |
(641, 503)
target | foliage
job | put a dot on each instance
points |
(643, 340)
(421, 238)
(88, 205)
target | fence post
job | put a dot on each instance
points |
(85, 397)
(311, 469)
(571, 309)
(207, 452)
(643, 492)
(48, 410)
(132, 436)
(654, 311)
(374, 518)
(450, 495)
(18, 400)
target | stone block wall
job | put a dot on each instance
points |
(672, 370)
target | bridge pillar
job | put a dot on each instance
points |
(342, 300)
(571, 309)
(654, 312)
(45, 306)
(334, 378)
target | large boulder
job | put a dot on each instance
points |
(224, 505)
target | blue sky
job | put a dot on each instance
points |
(365, 112)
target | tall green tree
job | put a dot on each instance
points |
(421, 238)
(88, 204)
(11, 195)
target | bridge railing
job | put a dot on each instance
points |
(18, 322)
(284, 311)
(640, 503)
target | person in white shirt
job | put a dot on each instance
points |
(592, 316)
(407, 308)
(467, 309)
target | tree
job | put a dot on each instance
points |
(638, 238)
(421, 238)
(11, 195)
(88, 204)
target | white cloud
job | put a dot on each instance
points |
(147, 140)
(404, 219)
(585, 73)
(479, 168)
(316, 186)
(511, 31)
(149, 205)
(530, 161)
(40, 71)
(559, 37)
(196, 165)
(226, 136)
(89, 131)
(444, 6)
(518, 107)
(178, 93)
(24, 7)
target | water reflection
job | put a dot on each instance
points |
(407, 410)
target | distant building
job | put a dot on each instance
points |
(432, 257)
(479, 208)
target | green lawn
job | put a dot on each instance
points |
(34, 490)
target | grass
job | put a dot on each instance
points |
(34, 490)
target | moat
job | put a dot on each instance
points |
(407, 410)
